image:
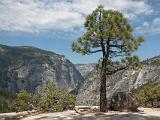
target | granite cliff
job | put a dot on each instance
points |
(25, 68)
(85, 69)
(122, 81)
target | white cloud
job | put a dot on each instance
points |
(37, 15)
(150, 27)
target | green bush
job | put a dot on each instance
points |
(4, 105)
(49, 99)
(6, 98)
(46, 99)
(148, 95)
(22, 102)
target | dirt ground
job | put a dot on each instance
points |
(143, 114)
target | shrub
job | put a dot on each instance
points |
(6, 98)
(49, 99)
(46, 99)
(149, 96)
(22, 102)
(3, 105)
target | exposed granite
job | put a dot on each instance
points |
(122, 81)
(85, 69)
(25, 68)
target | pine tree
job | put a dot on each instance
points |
(108, 32)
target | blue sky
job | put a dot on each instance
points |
(53, 24)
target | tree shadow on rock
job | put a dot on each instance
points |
(129, 116)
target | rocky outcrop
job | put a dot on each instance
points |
(124, 101)
(25, 68)
(122, 81)
(85, 69)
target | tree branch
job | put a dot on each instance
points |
(117, 46)
(96, 51)
(113, 51)
(114, 71)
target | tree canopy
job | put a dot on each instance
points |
(107, 29)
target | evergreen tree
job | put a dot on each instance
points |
(110, 33)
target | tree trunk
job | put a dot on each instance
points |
(103, 99)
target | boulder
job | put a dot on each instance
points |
(124, 101)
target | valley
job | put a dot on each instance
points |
(27, 68)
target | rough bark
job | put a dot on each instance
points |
(103, 99)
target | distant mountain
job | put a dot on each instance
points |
(124, 81)
(85, 69)
(25, 68)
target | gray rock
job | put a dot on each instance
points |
(123, 101)
(25, 68)
(85, 69)
(122, 81)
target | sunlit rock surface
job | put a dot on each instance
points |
(25, 68)
(122, 81)
(85, 69)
